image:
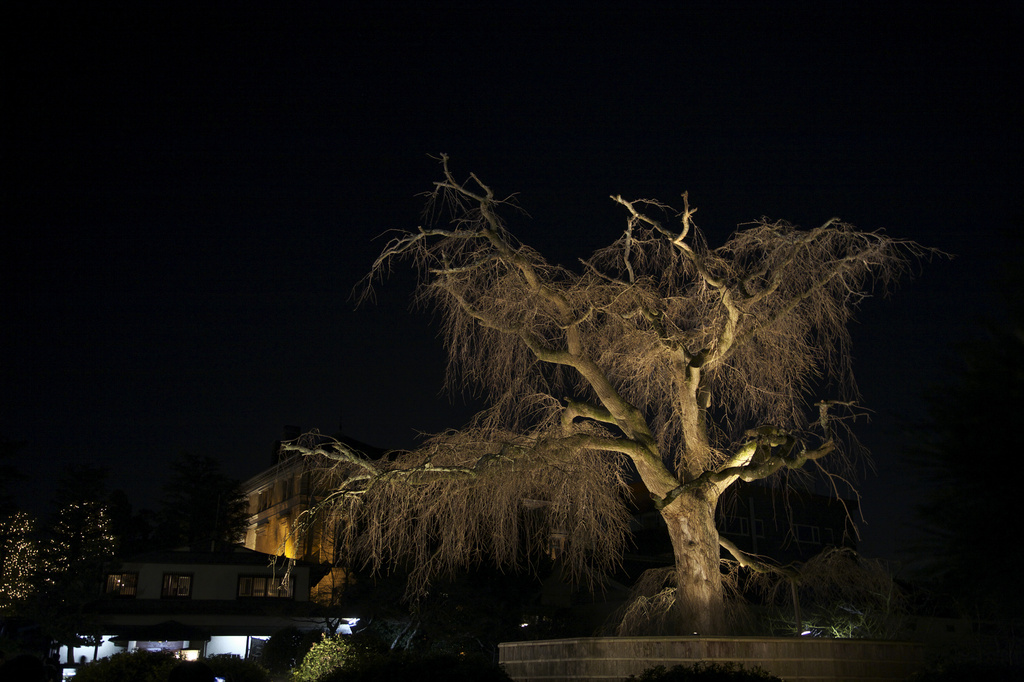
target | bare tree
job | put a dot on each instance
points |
(688, 366)
(836, 593)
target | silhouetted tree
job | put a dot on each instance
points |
(19, 560)
(76, 545)
(19, 548)
(9, 473)
(201, 503)
(965, 453)
(471, 613)
(836, 593)
(690, 366)
(135, 529)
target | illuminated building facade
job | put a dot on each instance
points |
(282, 500)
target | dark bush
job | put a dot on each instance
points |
(22, 667)
(191, 671)
(283, 650)
(704, 672)
(236, 669)
(401, 667)
(146, 666)
(135, 666)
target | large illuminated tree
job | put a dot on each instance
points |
(656, 357)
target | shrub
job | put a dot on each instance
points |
(147, 666)
(283, 650)
(324, 657)
(134, 666)
(704, 672)
(236, 669)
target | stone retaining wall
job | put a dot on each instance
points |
(803, 659)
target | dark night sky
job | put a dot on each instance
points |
(189, 195)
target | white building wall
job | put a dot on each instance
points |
(208, 581)
(236, 645)
(107, 648)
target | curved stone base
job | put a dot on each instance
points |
(803, 659)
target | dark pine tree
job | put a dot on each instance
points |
(966, 453)
(9, 474)
(76, 547)
(200, 503)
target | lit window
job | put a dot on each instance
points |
(176, 586)
(260, 586)
(122, 584)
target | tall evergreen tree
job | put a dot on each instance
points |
(75, 549)
(19, 560)
(135, 528)
(9, 473)
(19, 549)
(972, 419)
(201, 503)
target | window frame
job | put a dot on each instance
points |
(175, 593)
(263, 586)
(125, 587)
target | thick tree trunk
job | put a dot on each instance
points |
(700, 604)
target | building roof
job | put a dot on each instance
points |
(212, 553)
(291, 463)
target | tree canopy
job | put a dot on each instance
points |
(658, 357)
(971, 418)
(200, 503)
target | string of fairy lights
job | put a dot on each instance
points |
(30, 559)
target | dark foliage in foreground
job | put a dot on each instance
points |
(146, 666)
(126, 667)
(703, 672)
(237, 669)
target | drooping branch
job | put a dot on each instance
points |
(362, 473)
(332, 449)
(464, 495)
